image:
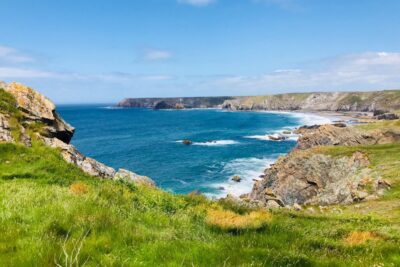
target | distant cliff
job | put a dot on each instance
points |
(388, 100)
(174, 103)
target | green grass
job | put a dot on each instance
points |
(8, 104)
(117, 224)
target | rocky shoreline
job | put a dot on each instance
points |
(306, 176)
(37, 111)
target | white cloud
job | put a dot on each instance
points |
(12, 55)
(157, 55)
(371, 70)
(11, 72)
(197, 2)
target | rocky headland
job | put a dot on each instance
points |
(174, 103)
(309, 175)
(35, 118)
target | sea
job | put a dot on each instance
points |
(149, 142)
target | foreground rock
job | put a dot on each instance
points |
(56, 133)
(37, 108)
(309, 178)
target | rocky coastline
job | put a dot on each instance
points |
(35, 111)
(306, 176)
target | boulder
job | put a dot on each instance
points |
(236, 178)
(134, 178)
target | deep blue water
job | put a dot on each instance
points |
(147, 142)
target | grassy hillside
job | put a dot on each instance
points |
(51, 212)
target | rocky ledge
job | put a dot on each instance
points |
(308, 176)
(34, 108)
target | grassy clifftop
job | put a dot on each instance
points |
(52, 213)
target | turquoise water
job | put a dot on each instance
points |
(148, 142)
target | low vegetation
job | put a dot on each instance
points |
(51, 213)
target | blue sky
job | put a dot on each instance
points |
(102, 51)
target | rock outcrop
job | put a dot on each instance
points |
(307, 176)
(332, 135)
(56, 133)
(5, 130)
(37, 108)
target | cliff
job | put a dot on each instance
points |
(173, 103)
(387, 101)
(332, 164)
(26, 116)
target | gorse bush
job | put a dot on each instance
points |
(230, 221)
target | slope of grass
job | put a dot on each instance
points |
(52, 213)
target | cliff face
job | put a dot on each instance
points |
(359, 101)
(307, 175)
(26, 115)
(173, 103)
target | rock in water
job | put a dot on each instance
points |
(277, 138)
(236, 178)
(187, 142)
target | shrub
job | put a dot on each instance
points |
(360, 237)
(78, 188)
(228, 220)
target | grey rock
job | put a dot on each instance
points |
(5, 130)
(134, 178)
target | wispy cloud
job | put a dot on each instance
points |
(198, 3)
(156, 55)
(12, 55)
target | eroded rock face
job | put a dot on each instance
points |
(308, 178)
(37, 108)
(5, 130)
